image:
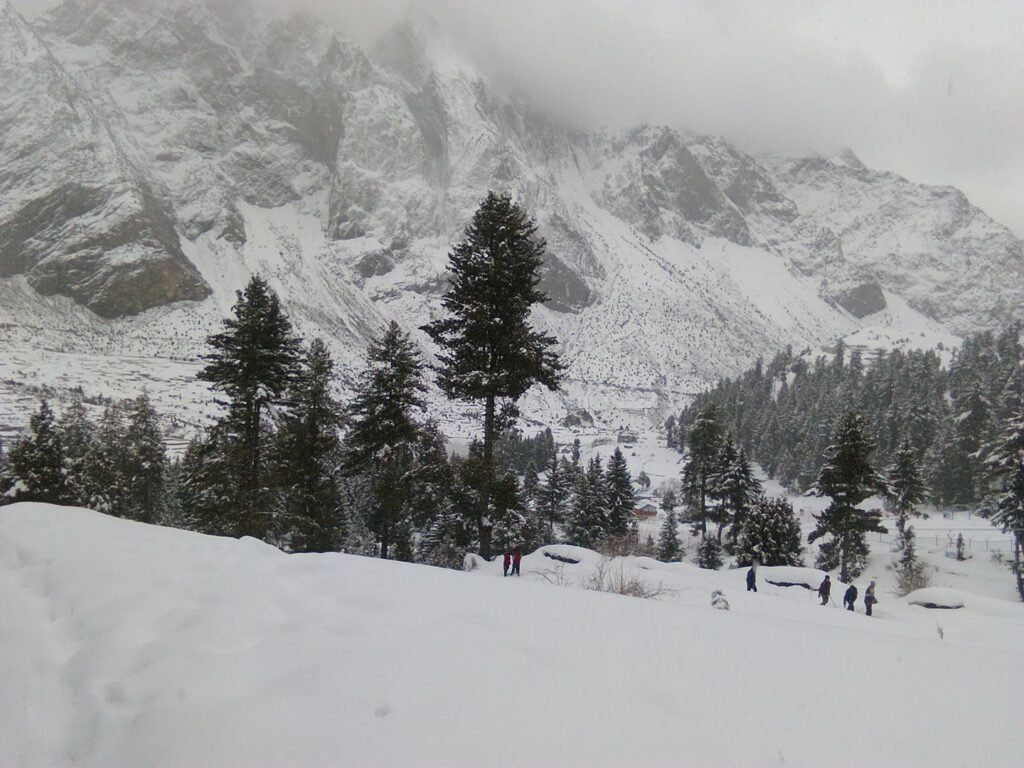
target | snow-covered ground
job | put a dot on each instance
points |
(123, 644)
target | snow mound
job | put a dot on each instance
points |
(937, 597)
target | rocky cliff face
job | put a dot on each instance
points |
(76, 216)
(154, 152)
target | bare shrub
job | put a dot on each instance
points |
(607, 578)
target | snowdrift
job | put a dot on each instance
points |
(123, 644)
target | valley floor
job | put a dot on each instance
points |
(123, 644)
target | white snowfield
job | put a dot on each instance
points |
(123, 644)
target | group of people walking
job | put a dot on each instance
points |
(512, 559)
(825, 592)
(850, 596)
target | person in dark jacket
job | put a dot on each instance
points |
(506, 561)
(869, 598)
(850, 597)
(825, 589)
(751, 580)
(517, 555)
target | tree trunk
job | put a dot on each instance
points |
(703, 513)
(1018, 566)
(485, 492)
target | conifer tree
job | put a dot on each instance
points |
(252, 363)
(356, 537)
(735, 487)
(385, 432)
(489, 351)
(6, 482)
(531, 483)
(310, 455)
(430, 480)
(588, 518)
(905, 487)
(972, 420)
(669, 501)
(848, 478)
(709, 553)
(704, 441)
(670, 432)
(145, 459)
(911, 573)
(108, 476)
(513, 526)
(37, 461)
(171, 513)
(553, 495)
(670, 546)
(770, 534)
(439, 545)
(1006, 464)
(577, 451)
(621, 499)
(206, 483)
(77, 438)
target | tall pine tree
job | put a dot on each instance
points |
(905, 487)
(146, 460)
(736, 488)
(704, 441)
(621, 498)
(252, 363)
(1006, 464)
(310, 455)
(553, 495)
(489, 351)
(385, 431)
(588, 517)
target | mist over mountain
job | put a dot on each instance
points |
(154, 154)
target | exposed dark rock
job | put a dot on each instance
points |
(578, 419)
(861, 300)
(567, 291)
(374, 264)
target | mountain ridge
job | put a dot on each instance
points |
(245, 143)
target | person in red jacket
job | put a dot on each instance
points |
(506, 561)
(517, 555)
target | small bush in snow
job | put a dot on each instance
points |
(605, 578)
(719, 601)
(911, 573)
(709, 554)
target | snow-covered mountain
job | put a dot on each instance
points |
(154, 153)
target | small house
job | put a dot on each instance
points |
(646, 510)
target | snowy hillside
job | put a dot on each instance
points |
(156, 153)
(123, 644)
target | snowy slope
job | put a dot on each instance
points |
(123, 644)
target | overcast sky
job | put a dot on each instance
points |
(931, 89)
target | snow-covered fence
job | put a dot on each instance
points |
(974, 539)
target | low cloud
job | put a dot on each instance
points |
(932, 90)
